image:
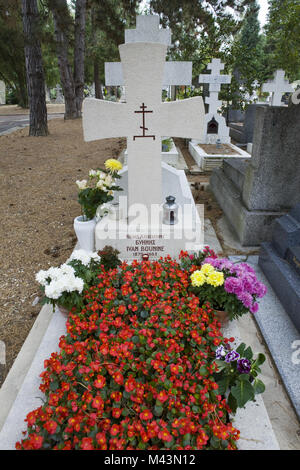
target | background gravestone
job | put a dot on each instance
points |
(59, 96)
(2, 93)
(242, 131)
(280, 262)
(253, 194)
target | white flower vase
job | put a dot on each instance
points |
(85, 232)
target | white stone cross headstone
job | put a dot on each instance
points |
(215, 79)
(147, 30)
(277, 87)
(143, 119)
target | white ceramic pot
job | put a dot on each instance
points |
(85, 232)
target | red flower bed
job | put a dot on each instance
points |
(135, 370)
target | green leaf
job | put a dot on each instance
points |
(260, 359)
(232, 403)
(54, 385)
(241, 349)
(248, 354)
(259, 386)
(186, 440)
(223, 385)
(242, 392)
(158, 410)
(214, 442)
(203, 370)
(221, 364)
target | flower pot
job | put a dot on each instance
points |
(85, 232)
(63, 310)
(222, 316)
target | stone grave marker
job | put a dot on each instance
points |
(215, 124)
(280, 262)
(59, 96)
(144, 119)
(2, 92)
(175, 73)
(277, 87)
(254, 194)
(214, 137)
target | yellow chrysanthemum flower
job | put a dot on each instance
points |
(215, 279)
(207, 268)
(113, 165)
(198, 279)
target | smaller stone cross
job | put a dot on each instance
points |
(277, 87)
(215, 80)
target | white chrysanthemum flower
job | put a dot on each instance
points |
(92, 173)
(53, 273)
(100, 185)
(95, 256)
(81, 255)
(53, 290)
(78, 284)
(101, 175)
(108, 180)
(81, 184)
(41, 277)
(66, 269)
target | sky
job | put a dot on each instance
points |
(263, 11)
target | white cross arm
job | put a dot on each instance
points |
(183, 118)
(216, 79)
(147, 30)
(104, 119)
(270, 87)
(175, 73)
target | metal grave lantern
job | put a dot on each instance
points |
(170, 211)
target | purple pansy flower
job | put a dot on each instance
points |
(231, 356)
(243, 366)
(220, 352)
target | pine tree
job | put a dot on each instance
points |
(34, 69)
(283, 37)
(72, 78)
(248, 49)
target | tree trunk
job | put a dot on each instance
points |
(98, 88)
(65, 70)
(34, 70)
(71, 82)
(79, 49)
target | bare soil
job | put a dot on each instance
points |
(212, 149)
